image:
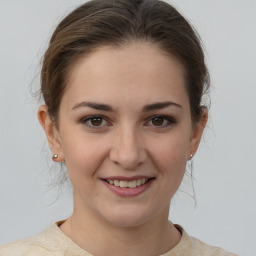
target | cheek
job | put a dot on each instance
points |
(170, 154)
(83, 154)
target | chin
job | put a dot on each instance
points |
(127, 217)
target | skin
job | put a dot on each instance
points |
(128, 141)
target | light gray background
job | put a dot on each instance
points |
(224, 167)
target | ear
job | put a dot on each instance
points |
(51, 133)
(197, 132)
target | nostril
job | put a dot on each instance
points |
(127, 150)
(127, 160)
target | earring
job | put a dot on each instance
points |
(191, 157)
(54, 157)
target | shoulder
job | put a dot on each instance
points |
(194, 247)
(39, 245)
(200, 248)
(22, 248)
(52, 241)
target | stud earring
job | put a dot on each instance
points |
(191, 156)
(54, 157)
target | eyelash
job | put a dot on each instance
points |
(168, 121)
(85, 121)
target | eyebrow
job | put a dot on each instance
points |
(160, 105)
(105, 107)
(94, 105)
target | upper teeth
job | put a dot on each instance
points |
(128, 184)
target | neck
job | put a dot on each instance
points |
(99, 237)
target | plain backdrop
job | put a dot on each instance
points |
(224, 167)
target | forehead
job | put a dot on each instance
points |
(132, 72)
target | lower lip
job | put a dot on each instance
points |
(129, 192)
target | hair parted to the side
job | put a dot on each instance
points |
(118, 22)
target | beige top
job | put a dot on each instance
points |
(54, 242)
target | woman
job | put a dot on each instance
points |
(122, 83)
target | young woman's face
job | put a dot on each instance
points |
(125, 133)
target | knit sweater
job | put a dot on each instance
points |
(53, 242)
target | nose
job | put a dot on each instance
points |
(128, 149)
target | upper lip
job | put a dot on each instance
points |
(137, 177)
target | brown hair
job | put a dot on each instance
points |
(115, 22)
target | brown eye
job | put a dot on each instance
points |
(158, 121)
(96, 121)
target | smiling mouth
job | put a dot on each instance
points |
(128, 184)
